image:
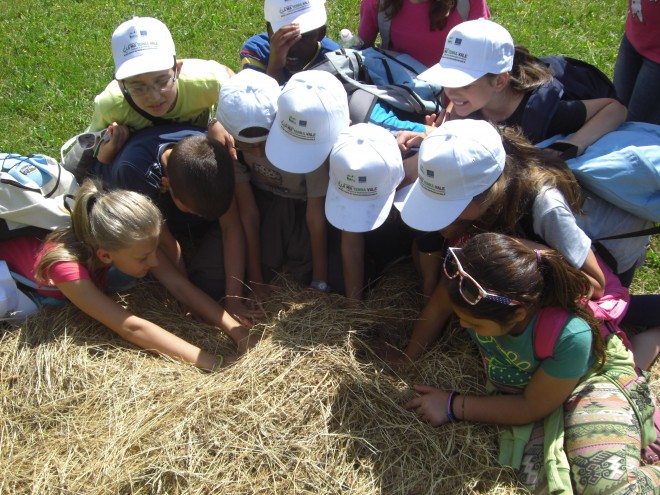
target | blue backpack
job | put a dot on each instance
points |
(623, 167)
(573, 80)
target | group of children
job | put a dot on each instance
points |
(280, 181)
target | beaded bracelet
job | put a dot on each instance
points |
(450, 403)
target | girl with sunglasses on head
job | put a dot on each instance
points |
(499, 288)
(112, 233)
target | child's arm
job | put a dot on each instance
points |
(543, 395)
(431, 322)
(318, 237)
(109, 149)
(199, 302)
(233, 244)
(352, 260)
(250, 219)
(595, 275)
(603, 115)
(92, 301)
(171, 248)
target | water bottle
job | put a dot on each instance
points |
(348, 40)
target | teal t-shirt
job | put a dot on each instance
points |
(509, 360)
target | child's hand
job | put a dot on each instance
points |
(431, 406)
(280, 43)
(408, 140)
(243, 313)
(218, 132)
(109, 149)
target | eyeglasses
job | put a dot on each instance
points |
(163, 83)
(469, 288)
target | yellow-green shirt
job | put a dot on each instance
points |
(198, 86)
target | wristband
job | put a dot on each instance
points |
(320, 285)
(218, 365)
(450, 403)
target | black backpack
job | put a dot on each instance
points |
(573, 80)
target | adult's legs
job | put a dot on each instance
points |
(636, 79)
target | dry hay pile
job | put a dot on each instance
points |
(309, 410)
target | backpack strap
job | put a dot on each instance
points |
(463, 9)
(550, 321)
(384, 25)
(360, 105)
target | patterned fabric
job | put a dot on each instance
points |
(603, 437)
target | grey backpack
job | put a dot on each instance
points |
(374, 75)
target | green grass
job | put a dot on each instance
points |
(56, 55)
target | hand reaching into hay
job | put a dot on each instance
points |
(433, 406)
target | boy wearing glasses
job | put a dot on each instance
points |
(295, 39)
(152, 87)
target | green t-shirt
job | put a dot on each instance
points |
(198, 87)
(510, 361)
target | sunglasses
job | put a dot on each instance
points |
(89, 140)
(469, 288)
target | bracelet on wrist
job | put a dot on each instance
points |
(450, 403)
(218, 365)
(320, 285)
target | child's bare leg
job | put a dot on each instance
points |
(646, 347)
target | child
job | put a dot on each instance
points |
(475, 180)
(499, 288)
(118, 229)
(152, 87)
(281, 212)
(295, 39)
(365, 171)
(417, 27)
(311, 112)
(194, 190)
(485, 77)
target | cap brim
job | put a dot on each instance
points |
(295, 157)
(356, 216)
(421, 212)
(449, 77)
(144, 65)
(307, 21)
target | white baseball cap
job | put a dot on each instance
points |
(14, 304)
(311, 112)
(309, 14)
(365, 170)
(472, 50)
(142, 45)
(248, 99)
(458, 161)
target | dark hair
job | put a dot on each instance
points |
(527, 171)
(507, 267)
(111, 220)
(201, 175)
(439, 11)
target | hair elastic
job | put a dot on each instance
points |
(538, 255)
